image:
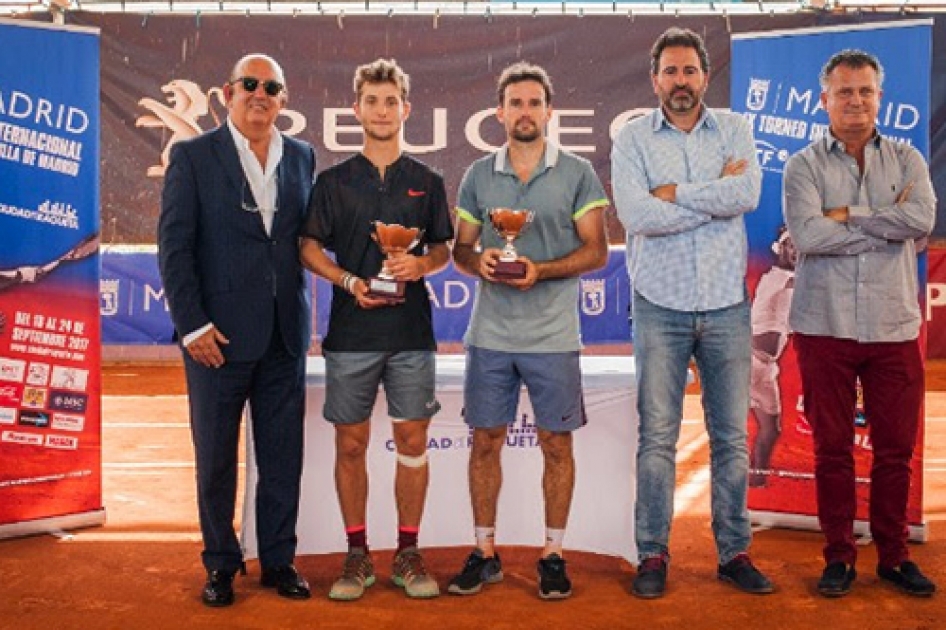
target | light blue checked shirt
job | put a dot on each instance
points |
(689, 255)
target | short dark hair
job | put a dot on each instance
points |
(683, 37)
(524, 71)
(382, 71)
(854, 59)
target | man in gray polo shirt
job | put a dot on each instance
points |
(526, 330)
(855, 202)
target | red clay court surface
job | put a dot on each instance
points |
(142, 568)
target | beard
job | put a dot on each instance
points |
(526, 131)
(681, 100)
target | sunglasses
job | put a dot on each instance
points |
(272, 88)
(249, 207)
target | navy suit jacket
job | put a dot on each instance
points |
(217, 263)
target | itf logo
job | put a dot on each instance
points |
(771, 158)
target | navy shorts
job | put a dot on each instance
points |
(493, 381)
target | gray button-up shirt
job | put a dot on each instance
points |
(857, 280)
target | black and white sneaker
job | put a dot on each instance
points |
(477, 571)
(553, 581)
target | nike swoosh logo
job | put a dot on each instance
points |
(415, 193)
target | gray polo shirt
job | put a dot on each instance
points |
(560, 191)
(857, 280)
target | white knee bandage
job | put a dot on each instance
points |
(412, 462)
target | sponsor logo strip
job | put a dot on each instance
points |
(7, 415)
(68, 422)
(68, 401)
(65, 442)
(15, 437)
(36, 419)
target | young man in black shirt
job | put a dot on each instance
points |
(373, 340)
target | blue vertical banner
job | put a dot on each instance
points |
(775, 85)
(50, 376)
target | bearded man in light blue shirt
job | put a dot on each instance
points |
(683, 178)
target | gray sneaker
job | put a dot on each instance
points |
(357, 575)
(409, 572)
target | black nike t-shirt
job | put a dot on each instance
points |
(345, 201)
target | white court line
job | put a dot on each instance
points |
(137, 473)
(146, 425)
(164, 537)
(691, 490)
(934, 469)
(698, 482)
(118, 466)
(698, 442)
(145, 398)
(138, 465)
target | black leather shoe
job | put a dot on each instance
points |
(218, 591)
(907, 578)
(836, 579)
(287, 582)
(651, 579)
(741, 573)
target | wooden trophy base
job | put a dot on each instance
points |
(384, 289)
(509, 270)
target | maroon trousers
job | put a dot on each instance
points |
(892, 380)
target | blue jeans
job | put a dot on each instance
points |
(664, 342)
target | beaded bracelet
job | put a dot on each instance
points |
(348, 282)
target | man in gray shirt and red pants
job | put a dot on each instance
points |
(855, 203)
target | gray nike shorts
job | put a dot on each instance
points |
(352, 380)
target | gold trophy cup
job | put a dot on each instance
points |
(392, 239)
(510, 224)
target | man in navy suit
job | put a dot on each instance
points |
(228, 248)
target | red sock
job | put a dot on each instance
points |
(406, 537)
(357, 536)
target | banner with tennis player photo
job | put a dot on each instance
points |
(50, 426)
(782, 101)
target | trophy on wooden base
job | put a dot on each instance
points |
(392, 239)
(510, 224)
